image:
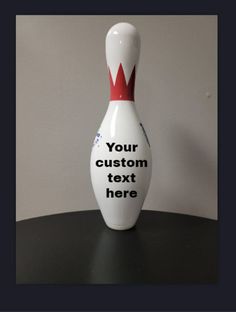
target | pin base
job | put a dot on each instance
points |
(120, 227)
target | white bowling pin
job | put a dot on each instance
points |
(120, 164)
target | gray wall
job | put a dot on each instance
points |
(62, 95)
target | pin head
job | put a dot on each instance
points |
(122, 54)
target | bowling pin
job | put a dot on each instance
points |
(120, 164)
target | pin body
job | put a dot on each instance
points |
(120, 164)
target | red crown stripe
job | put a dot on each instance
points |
(120, 90)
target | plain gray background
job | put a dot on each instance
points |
(62, 94)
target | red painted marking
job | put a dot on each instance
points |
(120, 91)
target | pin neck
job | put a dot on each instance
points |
(120, 90)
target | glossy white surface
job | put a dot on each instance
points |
(121, 125)
(122, 46)
(120, 201)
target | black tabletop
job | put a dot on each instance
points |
(78, 248)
